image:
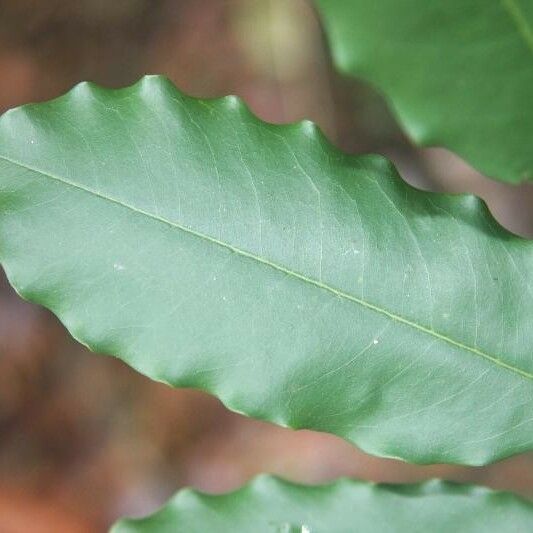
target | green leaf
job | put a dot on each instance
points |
(458, 73)
(271, 505)
(299, 284)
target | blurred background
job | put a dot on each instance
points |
(85, 439)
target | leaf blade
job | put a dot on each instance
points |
(457, 74)
(271, 504)
(208, 249)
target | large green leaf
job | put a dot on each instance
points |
(459, 73)
(300, 285)
(272, 505)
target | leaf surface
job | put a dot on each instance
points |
(271, 505)
(299, 284)
(458, 73)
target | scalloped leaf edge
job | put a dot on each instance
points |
(475, 206)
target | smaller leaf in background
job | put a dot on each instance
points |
(458, 73)
(271, 505)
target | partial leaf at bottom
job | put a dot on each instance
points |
(270, 505)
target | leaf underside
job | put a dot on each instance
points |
(300, 285)
(269, 504)
(458, 73)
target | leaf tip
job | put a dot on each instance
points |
(232, 101)
(83, 88)
(156, 80)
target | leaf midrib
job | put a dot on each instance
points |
(514, 11)
(279, 268)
